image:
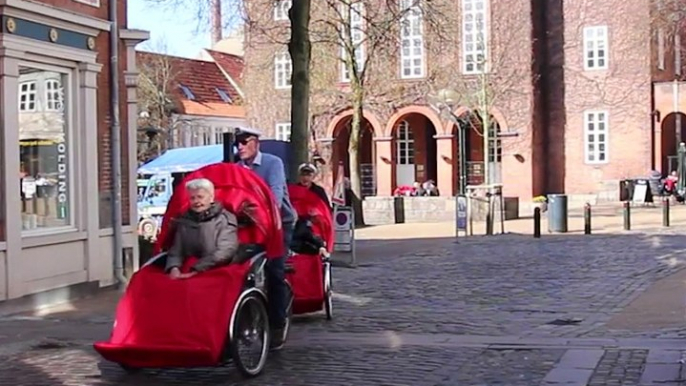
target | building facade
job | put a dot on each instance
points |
(568, 87)
(56, 235)
(202, 99)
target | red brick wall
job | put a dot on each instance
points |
(104, 116)
(623, 90)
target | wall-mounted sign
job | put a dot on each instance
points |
(62, 181)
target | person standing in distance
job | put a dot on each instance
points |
(271, 169)
(306, 174)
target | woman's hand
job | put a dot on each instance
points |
(187, 275)
(175, 273)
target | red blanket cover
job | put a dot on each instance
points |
(162, 322)
(307, 279)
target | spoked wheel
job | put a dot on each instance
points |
(289, 311)
(250, 339)
(328, 291)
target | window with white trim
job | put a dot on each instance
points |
(411, 40)
(595, 137)
(53, 95)
(283, 69)
(405, 144)
(474, 36)
(356, 34)
(27, 96)
(219, 135)
(46, 152)
(283, 132)
(595, 48)
(207, 136)
(281, 8)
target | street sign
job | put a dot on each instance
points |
(461, 215)
(343, 228)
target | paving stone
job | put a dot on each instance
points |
(504, 290)
(619, 367)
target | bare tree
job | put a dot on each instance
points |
(492, 71)
(358, 37)
(158, 104)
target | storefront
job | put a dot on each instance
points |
(52, 86)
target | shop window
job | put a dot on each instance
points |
(45, 150)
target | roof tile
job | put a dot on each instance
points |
(202, 78)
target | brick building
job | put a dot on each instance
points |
(57, 186)
(570, 85)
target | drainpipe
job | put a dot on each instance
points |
(115, 132)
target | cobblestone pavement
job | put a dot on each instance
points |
(438, 309)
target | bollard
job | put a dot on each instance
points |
(587, 219)
(627, 215)
(537, 223)
(665, 212)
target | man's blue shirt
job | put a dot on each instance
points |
(270, 168)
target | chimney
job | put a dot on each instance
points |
(216, 20)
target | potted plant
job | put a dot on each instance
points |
(541, 202)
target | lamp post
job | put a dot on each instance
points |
(447, 100)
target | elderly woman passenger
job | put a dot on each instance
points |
(207, 231)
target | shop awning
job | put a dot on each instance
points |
(187, 159)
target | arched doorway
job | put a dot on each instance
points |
(476, 164)
(414, 150)
(365, 150)
(670, 140)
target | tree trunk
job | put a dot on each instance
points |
(299, 48)
(354, 149)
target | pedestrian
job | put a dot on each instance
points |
(306, 174)
(271, 169)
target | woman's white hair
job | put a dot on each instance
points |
(200, 183)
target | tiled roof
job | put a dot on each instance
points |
(231, 64)
(205, 81)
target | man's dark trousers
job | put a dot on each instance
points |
(278, 294)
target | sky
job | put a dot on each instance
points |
(171, 31)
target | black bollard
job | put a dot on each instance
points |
(537, 223)
(587, 219)
(665, 212)
(627, 215)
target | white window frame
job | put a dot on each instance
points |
(283, 70)
(282, 131)
(404, 140)
(592, 43)
(281, 8)
(356, 24)
(28, 93)
(52, 104)
(591, 117)
(471, 34)
(92, 3)
(69, 88)
(219, 135)
(411, 32)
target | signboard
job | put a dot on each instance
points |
(461, 215)
(339, 188)
(62, 193)
(641, 193)
(343, 229)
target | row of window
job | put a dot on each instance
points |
(595, 139)
(475, 41)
